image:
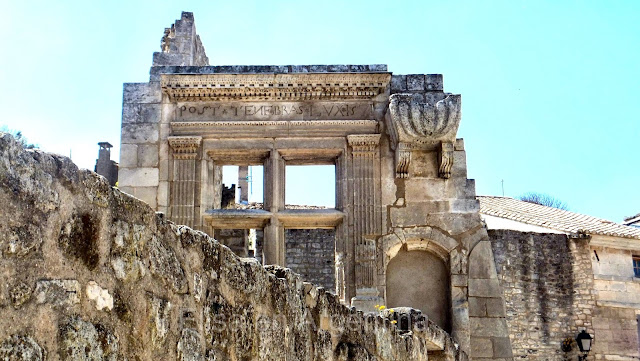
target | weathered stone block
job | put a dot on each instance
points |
(138, 177)
(488, 327)
(481, 264)
(502, 347)
(484, 288)
(415, 82)
(147, 194)
(141, 113)
(58, 293)
(495, 307)
(143, 93)
(21, 347)
(147, 155)
(139, 133)
(481, 347)
(433, 82)
(477, 307)
(421, 189)
(128, 156)
(398, 83)
(82, 340)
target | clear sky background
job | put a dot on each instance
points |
(550, 88)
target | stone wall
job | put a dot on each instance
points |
(311, 253)
(618, 299)
(181, 45)
(88, 272)
(547, 283)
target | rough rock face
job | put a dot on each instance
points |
(90, 273)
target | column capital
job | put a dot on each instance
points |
(185, 147)
(363, 144)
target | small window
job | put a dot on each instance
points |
(636, 266)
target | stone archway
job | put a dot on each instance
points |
(420, 279)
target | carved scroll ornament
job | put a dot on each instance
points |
(414, 123)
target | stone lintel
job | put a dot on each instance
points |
(258, 218)
(276, 128)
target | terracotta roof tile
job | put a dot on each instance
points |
(553, 218)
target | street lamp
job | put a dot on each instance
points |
(584, 343)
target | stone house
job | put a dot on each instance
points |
(556, 255)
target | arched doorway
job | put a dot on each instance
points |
(420, 279)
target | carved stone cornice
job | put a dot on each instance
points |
(185, 147)
(363, 144)
(298, 86)
(414, 123)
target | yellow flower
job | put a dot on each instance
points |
(382, 308)
(394, 322)
(377, 306)
(391, 310)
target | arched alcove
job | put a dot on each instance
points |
(420, 279)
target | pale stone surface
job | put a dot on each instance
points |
(139, 133)
(128, 156)
(147, 156)
(138, 177)
(100, 295)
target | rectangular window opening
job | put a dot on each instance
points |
(310, 186)
(243, 242)
(636, 266)
(242, 187)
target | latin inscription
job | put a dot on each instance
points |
(271, 111)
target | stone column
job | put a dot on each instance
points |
(185, 181)
(366, 221)
(274, 179)
(243, 183)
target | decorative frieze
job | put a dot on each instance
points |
(300, 86)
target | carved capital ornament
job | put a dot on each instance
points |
(185, 147)
(414, 123)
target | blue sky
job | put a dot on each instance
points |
(550, 88)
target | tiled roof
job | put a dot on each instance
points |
(553, 218)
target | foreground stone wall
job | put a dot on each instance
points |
(88, 272)
(547, 283)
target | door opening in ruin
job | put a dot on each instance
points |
(310, 185)
(242, 186)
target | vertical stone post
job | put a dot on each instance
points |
(185, 183)
(274, 179)
(366, 223)
(243, 183)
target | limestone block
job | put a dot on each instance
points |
(82, 340)
(147, 194)
(481, 347)
(138, 177)
(495, 307)
(126, 189)
(171, 59)
(413, 214)
(488, 327)
(459, 167)
(163, 194)
(424, 165)
(433, 82)
(424, 189)
(398, 83)
(147, 155)
(464, 206)
(141, 113)
(481, 264)
(21, 347)
(144, 93)
(477, 307)
(128, 156)
(58, 293)
(484, 288)
(502, 347)
(139, 133)
(415, 82)
(163, 170)
(164, 263)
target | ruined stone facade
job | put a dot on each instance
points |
(88, 272)
(401, 182)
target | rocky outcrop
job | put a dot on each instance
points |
(88, 272)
